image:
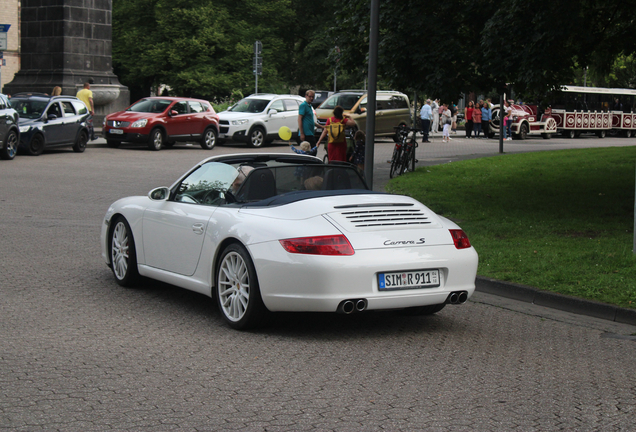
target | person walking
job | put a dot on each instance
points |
(86, 96)
(337, 139)
(447, 121)
(306, 121)
(507, 121)
(435, 108)
(426, 114)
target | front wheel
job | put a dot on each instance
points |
(237, 291)
(256, 137)
(523, 131)
(156, 140)
(572, 134)
(601, 134)
(396, 162)
(123, 257)
(10, 146)
(209, 139)
(80, 143)
(628, 134)
(36, 146)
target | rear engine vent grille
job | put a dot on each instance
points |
(386, 217)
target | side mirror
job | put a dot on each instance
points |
(172, 113)
(51, 117)
(159, 194)
(272, 111)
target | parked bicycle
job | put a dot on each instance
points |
(403, 158)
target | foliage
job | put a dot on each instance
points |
(560, 221)
(205, 47)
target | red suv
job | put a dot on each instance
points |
(162, 121)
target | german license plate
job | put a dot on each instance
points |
(408, 280)
(117, 131)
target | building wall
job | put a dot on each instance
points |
(10, 14)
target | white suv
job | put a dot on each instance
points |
(257, 118)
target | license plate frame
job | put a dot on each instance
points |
(409, 280)
(116, 131)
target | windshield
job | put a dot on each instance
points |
(250, 105)
(346, 101)
(150, 106)
(28, 108)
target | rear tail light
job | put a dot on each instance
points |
(460, 238)
(322, 245)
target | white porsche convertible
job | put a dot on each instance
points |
(264, 233)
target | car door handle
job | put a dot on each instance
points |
(198, 228)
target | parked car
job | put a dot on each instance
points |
(257, 118)
(9, 129)
(264, 233)
(162, 121)
(392, 110)
(51, 121)
(320, 96)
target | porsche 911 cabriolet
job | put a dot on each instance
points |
(264, 233)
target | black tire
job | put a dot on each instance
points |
(123, 254)
(155, 142)
(546, 135)
(237, 292)
(628, 134)
(80, 142)
(112, 144)
(256, 137)
(208, 140)
(396, 162)
(423, 310)
(9, 146)
(407, 155)
(601, 134)
(36, 146)
(523, 131)
(571, 134)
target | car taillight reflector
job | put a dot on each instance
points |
(460, 238)
(322, 245)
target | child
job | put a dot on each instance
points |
(305, 148)
(358, 150)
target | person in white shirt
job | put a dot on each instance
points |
(435, 108)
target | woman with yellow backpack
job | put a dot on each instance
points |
(337, 141)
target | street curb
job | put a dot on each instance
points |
(552, 300)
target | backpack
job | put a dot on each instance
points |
(336, 131)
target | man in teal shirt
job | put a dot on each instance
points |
(306, 119)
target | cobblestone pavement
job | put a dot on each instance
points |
(80, 353)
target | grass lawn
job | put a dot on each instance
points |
(561, 221)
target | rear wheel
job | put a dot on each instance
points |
(256, 137)
(123, 257)
(36, 146)
(396, 162)
(10, 146)
(80, 143)
(237, 291)
(208, 141)
(156, 140)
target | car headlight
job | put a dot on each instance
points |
(24, 129)
(240, 122)
(139, 123)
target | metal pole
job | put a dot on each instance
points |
(501, 122)
(634, 245)
(371, 96)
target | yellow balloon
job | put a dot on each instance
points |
(284, 133)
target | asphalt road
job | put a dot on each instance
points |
(80, 353)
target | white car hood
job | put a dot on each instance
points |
(230, 115)
(369, 221)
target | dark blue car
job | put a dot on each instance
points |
(51, 121)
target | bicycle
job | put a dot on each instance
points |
(396, 160)
(404, 151)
